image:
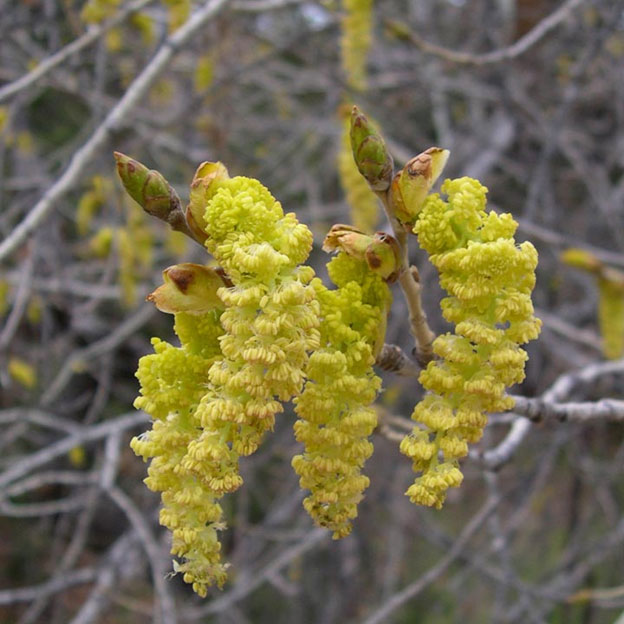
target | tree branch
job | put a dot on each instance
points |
(114, 120)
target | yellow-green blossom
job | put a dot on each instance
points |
(214, 397)
(270, 319)
(335, 413)
(489, 279)
(173, 382)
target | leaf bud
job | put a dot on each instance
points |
(381, 251)
(369, 152)
(190, 288)
(581, 259)
(147, 187)
(412, 184)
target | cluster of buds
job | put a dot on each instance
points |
(407, 189)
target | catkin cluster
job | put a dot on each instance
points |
(335, 409)
(213, 405)
(489, 279)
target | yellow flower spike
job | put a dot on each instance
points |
(335, 413)
(215, 397)
(5, 289)
(581, 259)
(412, 184)
(357, 26)
(489, 279)
(610, 300)
(611, 314)
(188, 288)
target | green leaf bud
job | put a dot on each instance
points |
(369, 152)
(152, 192)
(147, 187)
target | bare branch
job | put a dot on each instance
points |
(521, 46)
(53, 586)
(381, 614)
(94, 33)
(114, 120)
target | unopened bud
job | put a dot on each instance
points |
(381, 252)
(383, 256)
(147, 187)
(190, 288)
(412, 184)
(581, 259)
(369, 152)
(203, 188)
(347, 238)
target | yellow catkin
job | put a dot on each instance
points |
(489, 279)
(22, 372)
(5, 289)
(335, 409)
(172, 386)
(611, 317)
(204, 72)
(90, 202)
(179, 12)
(357, 25)
(215, 397)
(96, 11)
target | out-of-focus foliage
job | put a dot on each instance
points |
(258, 87)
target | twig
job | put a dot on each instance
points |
(53, 586)
(410, 286)
(259, 6)
(501, 454)
(496, 56)
(24, 284)
(161, 594)
(114, 120)
(400, 598)
(246, 585)
(96, 349)
(538, 410)
(91, 36)
(95, 432)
